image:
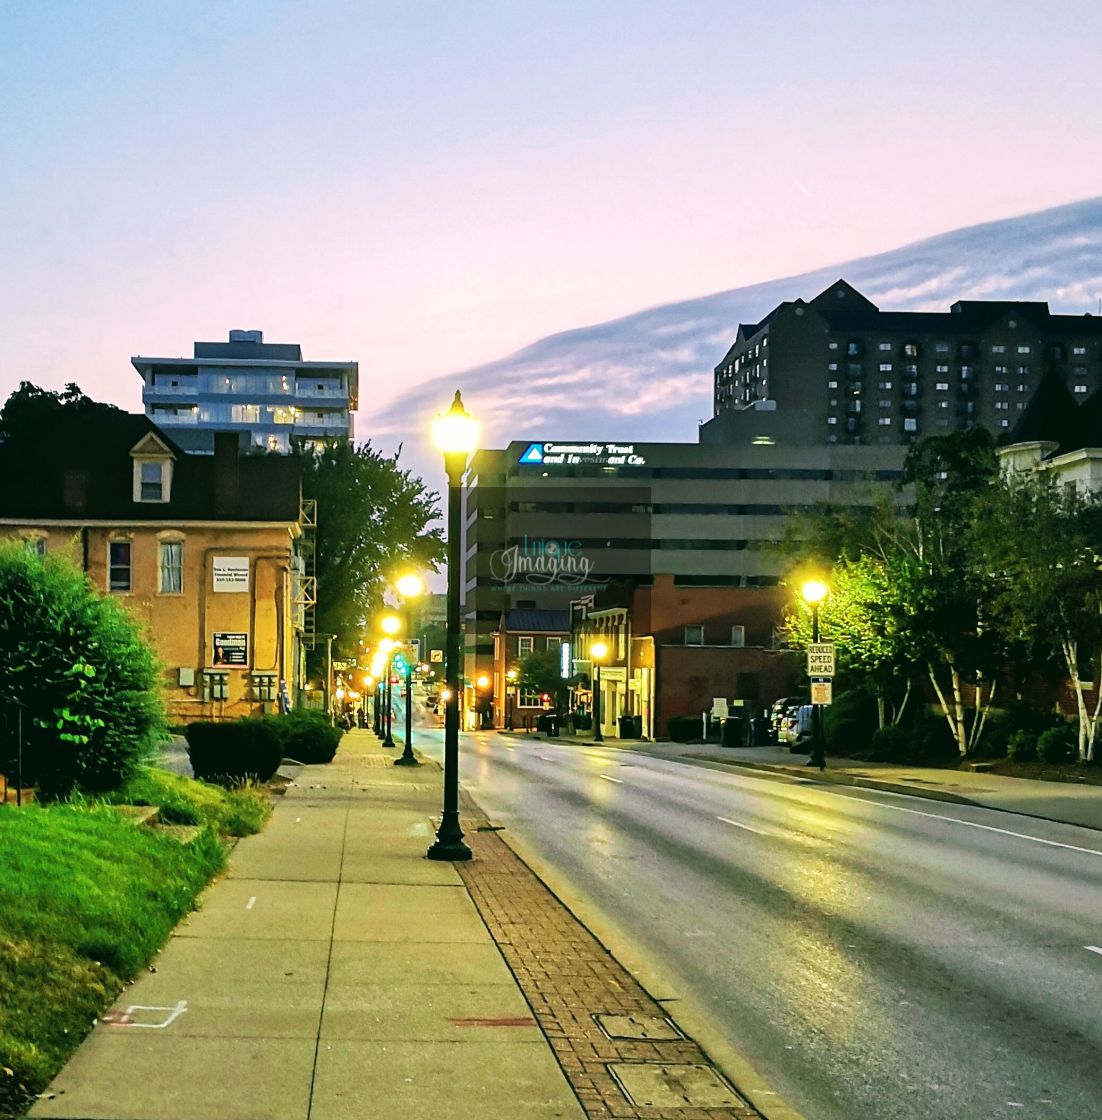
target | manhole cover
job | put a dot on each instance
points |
(652, 1027)
(653, 1085)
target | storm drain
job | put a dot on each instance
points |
(654, 1085)
(646, 1028)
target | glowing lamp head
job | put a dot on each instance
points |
(339, 694)
(445, 694)
(378, 664)
(410, 586)
(369, 681)
(483, 681)
(391, 624)
(455, 431)
(512, 674)
(598, 651)
(814, 591)
(386, 645)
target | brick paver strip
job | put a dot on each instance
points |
(568, 976)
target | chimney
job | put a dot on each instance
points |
(226, 473)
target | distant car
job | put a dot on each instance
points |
(798, 719)
(778, 716)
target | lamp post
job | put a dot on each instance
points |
(378, 668)
(409, 587)
(369, 690)
(390, 626)
(814, 592)
(481, 685)
(455, 433)
(598, 651)
(510, 697)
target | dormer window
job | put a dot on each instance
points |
(152, 470)
(151, 482)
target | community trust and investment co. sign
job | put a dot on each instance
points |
(582, 454)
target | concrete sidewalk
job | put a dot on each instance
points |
(1055, 801)
(332, 973)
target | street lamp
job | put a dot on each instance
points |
(814, 592)
(598, 651)
(455, 433)
(409, 587)
(510, 697)
(390, 625)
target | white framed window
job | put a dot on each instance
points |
(529, 698)
(553, 643)
(942, 386)
(1004, 423)
(832, 384)
(1024, 349)
(738, 636)
(150, 480)
(1080, 389)
(885, 367)
(525, 644)
(694, 635)
(884, 421)
(119, 555)
(832, 419)
(170, 572)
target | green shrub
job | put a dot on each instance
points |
(1003, 722)
(306, 736)
(75, 665)
(234, 752)
(1022, 746)
(849, 722)
(1058, 744)
(890, 744)
(682, 729)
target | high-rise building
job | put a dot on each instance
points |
(262, 390)
(871, 376)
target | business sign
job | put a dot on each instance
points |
(415, 650)
(231, 573)
(566, 666)
(719, 707)
(582, 454)
(820, 659)
(231, 649)
(822, 692)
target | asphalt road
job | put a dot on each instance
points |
(875, 956)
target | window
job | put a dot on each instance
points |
(832, 345)
(525, 644)
(1022, 371)
(1000, 370)
(943, 404)
(118, 565)
(1023, 388)
(832, 419)
(1023, 349)
(1078, 351)
(694, 635)
(832, 366)
(910, 350)
(998, 349)
(910, 425)
(171, 579)
(738, 636)
(911, 371)
(1080, 371)
(853, 349)
(886, 346)
(554, 643)
(529, 699)
(1080, 388)
(1002, 406)
(886, 404)
(884, 421)
(264, 686)
(152, 481)
(966, 372)
(942, 386)
(832, 384)
(885, 367)
(942, 347)
(36, 546)
(941, 369)
(885, 385)
(245, 413)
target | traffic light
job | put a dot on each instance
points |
(399, 662)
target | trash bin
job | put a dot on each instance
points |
(548, 723)
(631, 727)
(734, 732)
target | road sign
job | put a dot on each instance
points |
(820, 659)
(436, 656)
(822, 692)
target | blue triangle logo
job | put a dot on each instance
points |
(534, 454)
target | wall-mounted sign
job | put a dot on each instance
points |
(582, 454)
(231, 649)
(231, 573)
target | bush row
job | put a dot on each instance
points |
(233, 752)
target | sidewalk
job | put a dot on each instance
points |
(332, 972)
(1054, 801)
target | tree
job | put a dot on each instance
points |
(374, 519)
(75, 674)
(1039, 543)
(540, 672)
(31, 410)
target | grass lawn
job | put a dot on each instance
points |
(86, 900)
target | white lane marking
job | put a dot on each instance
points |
(251, 903)
(1094, 949)
(739, 824)
(510, 748)
(543, 758)
(991, 828)
(618, 781)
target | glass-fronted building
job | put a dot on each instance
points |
(262, 390)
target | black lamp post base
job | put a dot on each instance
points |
(454, 851)
(389, 742)
(407, 759)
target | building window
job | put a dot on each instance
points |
(1004, 423)
(832, 345)
(263, 686)
(151, 481)
(885, 385)
(942, 386)
(171, 570)
(216, 684)
(886, 346)
(910, 350)
(694, 635)
(884, 421)
(832, 366)
(943, 404)
(1023, 388)
(885, 404)
(738, 636)
(832, 419)
(853, 349)
(525, 644)
(941, 369)
(1023, 349)
(910, 424)
(1080, 371)
(1080, 388)
(832, 384)
(1078, 351)
(998, 349)
(1022, 371)
(942, 347)
(245, 413)
(118, 565)
(554, 643)
(1002, 406)
(529, 699)
(885, 367)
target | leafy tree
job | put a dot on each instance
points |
(1038, 542)
(75, 672)
(31, 410)
(374, 519)
(540, 671)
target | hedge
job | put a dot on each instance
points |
(232, 753)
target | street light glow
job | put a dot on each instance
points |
(390, 624)
(455, 430)
(483, 681)
(410, 586)
(814, 591)
(598, 651)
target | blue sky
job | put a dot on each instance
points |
(428, 186)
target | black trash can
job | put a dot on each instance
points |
(548, 723)
(734, 732)
(631, 727)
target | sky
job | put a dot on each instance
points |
(429, 186)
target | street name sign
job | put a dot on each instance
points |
(820, 659)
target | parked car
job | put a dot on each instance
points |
(778, 713)
(797, 721)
